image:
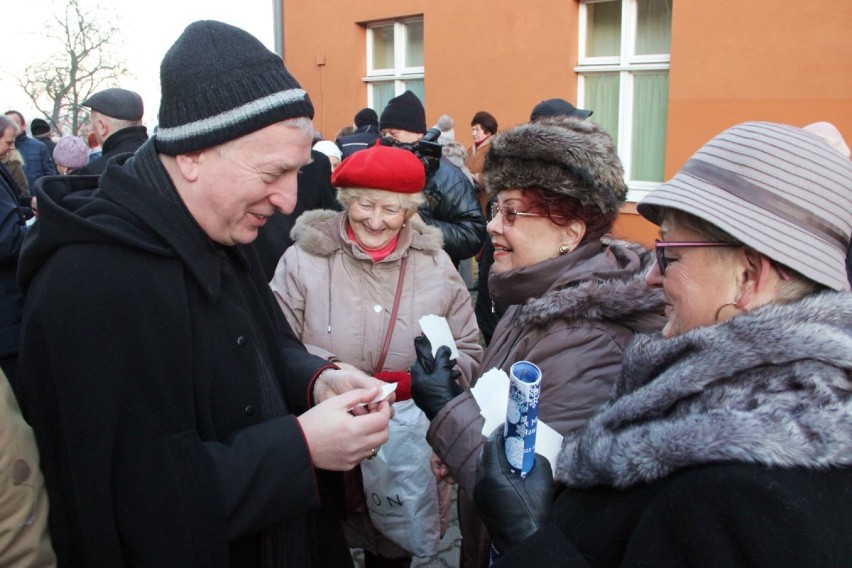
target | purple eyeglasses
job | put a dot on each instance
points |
(660, 246)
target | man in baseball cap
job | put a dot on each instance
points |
(185, 423)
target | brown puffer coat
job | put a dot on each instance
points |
(572, 316)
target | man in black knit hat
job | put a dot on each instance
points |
(365, 135)
(180, 421)
(451, 204)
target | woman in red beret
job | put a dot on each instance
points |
(354, 286)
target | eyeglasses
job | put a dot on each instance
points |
(509, 214)
(660, 246)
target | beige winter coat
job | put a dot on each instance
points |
(24, 539)
(338, 301)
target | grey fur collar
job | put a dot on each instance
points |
(772, 386)
(613, 295)
(319, 232)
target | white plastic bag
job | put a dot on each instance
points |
(399, 487)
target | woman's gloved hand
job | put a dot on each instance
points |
(512, 507)
(433, 379)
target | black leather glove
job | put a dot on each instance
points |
(512, 507)
(433, 379)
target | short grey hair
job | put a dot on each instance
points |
(6, 123)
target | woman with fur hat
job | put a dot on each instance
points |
(354, 286)
(728, 437)
(576, 297)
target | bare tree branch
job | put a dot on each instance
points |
(85, 61)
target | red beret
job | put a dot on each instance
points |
(381, 167)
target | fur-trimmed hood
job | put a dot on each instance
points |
(601, 281)
(772, 386)
(620, 295)
(320, 232)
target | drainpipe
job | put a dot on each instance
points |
(278, 26)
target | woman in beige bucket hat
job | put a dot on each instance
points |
(727, 440)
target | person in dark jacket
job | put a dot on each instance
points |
(117, 124)
(451, 203)
(37, 159)
(365, 135)
(180, 421)
(727, 440)
(575, 297)
(313, 191)
(13, 229)
(42, 132)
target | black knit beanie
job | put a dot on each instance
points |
(220, 83)
(39, 127)
(366, 117)
(404, 112)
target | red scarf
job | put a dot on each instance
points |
(375, 254)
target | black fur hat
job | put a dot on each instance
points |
(563, 155)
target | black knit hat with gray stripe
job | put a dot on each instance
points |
(563, 155)
(220, 83)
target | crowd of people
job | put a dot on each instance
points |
(199, 327)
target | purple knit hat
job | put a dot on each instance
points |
(71, 152)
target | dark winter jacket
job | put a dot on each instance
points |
(125, 141)
(451, 205)
(162, 383)
(313, 191)
(37, 159)
(363, 137)
(572, 316)
(13, 229)
(729, 445)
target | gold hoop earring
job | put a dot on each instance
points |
(563, 249)
(722, 307)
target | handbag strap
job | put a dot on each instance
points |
(395, 309)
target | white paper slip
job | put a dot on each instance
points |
(548, 443)
(387, 389)
(492, 395)
(437, 331)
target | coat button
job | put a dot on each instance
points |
(377, 308)
(241, 340)
(250, 410)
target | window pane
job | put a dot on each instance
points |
(601, 97)
(603, 34)
(416, 87)
(650, 110)
(382, 93)
(654, 27)
(414, 44)
(383, 47)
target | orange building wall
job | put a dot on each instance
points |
(478, 55)
(731, 61)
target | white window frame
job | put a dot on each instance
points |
(627, 65)
(399, 74)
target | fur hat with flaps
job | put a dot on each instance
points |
(562, 155)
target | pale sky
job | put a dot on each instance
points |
(151, 26)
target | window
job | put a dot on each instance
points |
(394, 61)
(623, 72)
